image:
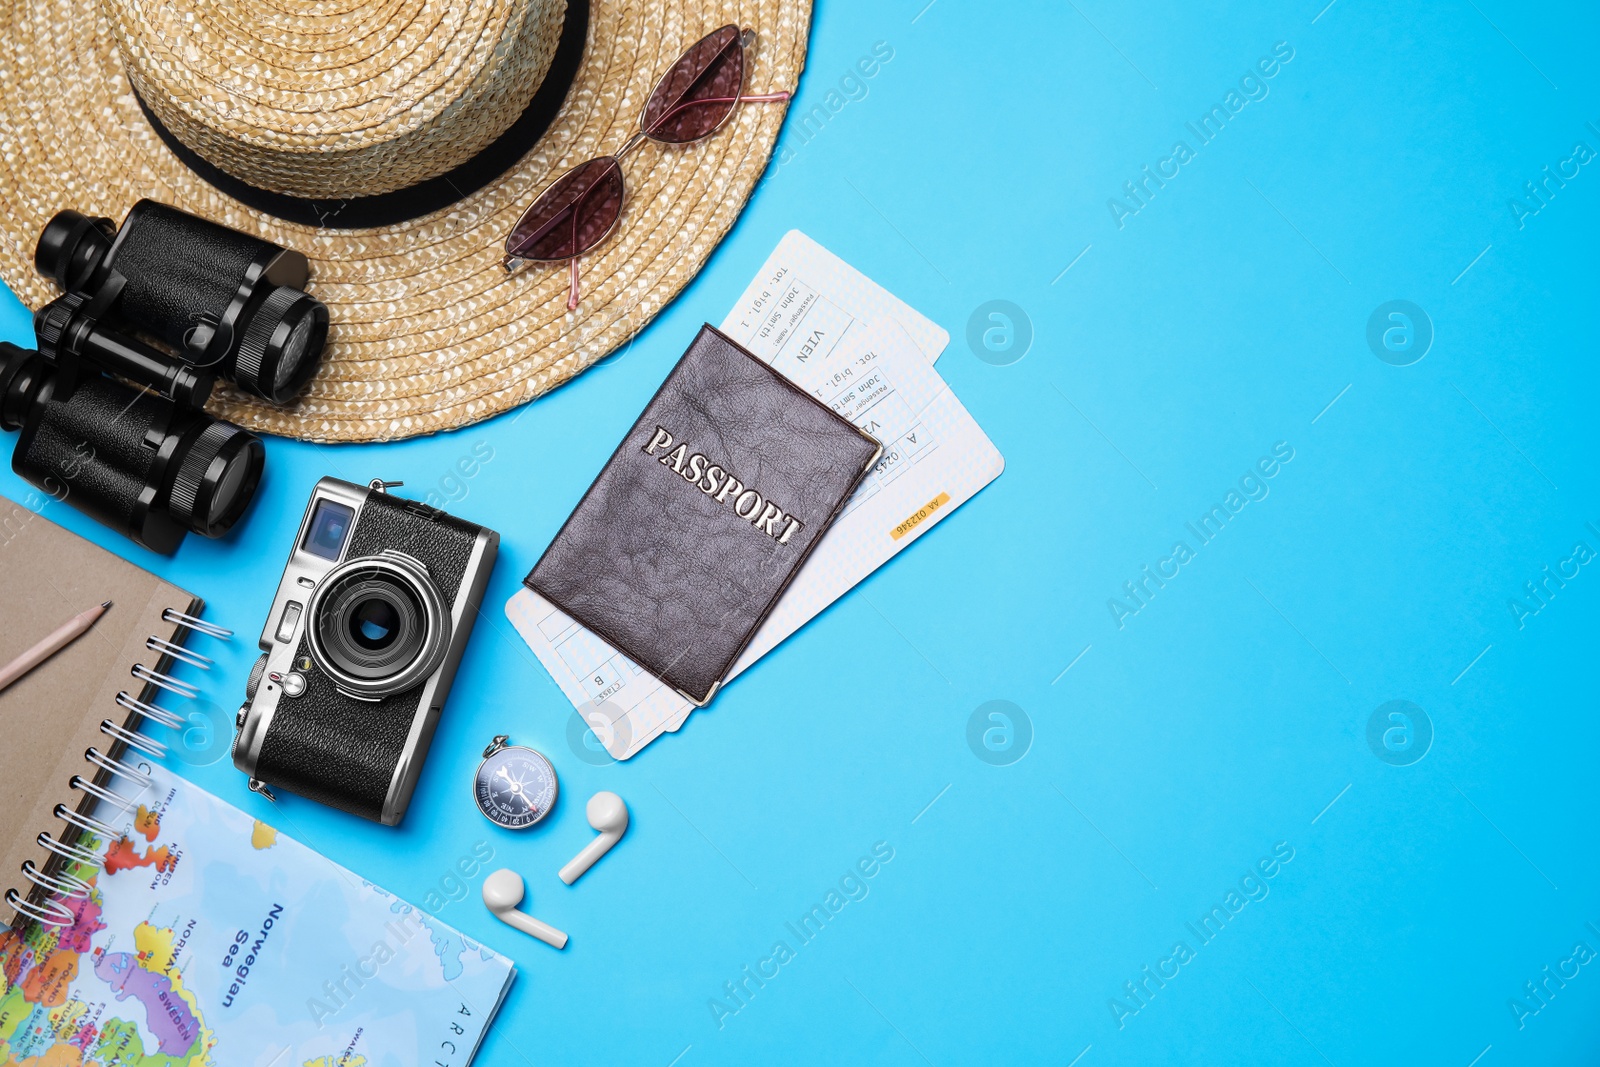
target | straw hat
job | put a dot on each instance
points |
(341, 113)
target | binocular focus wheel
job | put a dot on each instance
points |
(50, 322)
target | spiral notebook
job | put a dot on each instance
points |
(67, 723)
(151, 922)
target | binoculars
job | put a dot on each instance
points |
(110, 403)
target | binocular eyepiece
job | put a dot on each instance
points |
(110, 404)
(222, 299)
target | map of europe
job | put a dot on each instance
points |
(208, 938)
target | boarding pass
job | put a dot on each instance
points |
(867, 355)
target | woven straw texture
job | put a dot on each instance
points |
(427, 332)
(336, 99)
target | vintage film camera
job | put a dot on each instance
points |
(110, 404)
(360, 648)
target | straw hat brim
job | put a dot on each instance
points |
(428, 333)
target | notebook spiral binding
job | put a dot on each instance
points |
(56, 883)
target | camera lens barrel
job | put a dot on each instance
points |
(377, 625)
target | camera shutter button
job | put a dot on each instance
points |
(293, 683)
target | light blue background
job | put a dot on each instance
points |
(1226, 715)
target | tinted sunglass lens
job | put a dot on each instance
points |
(572, 216)
(696, 95)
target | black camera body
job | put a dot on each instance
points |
(360, 648)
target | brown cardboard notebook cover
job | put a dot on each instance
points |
(51, 716)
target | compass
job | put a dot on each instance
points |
(515, 787)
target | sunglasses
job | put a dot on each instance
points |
(693, 100)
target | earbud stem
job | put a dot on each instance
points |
(586, 859)
(529, 925)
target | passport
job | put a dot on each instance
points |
(704, 515)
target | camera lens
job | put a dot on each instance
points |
(282, 345)
(374, 624)
(377, 625)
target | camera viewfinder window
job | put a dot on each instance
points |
(329, 525)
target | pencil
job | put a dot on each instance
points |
(58, 639)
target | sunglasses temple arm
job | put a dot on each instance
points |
(511, 263)
(673, 112)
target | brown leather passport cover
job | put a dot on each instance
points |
(703, 515)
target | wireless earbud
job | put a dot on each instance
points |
(502, 892)
(608, 814)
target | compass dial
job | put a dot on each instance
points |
(515, 787)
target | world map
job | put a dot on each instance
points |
(208, 938)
